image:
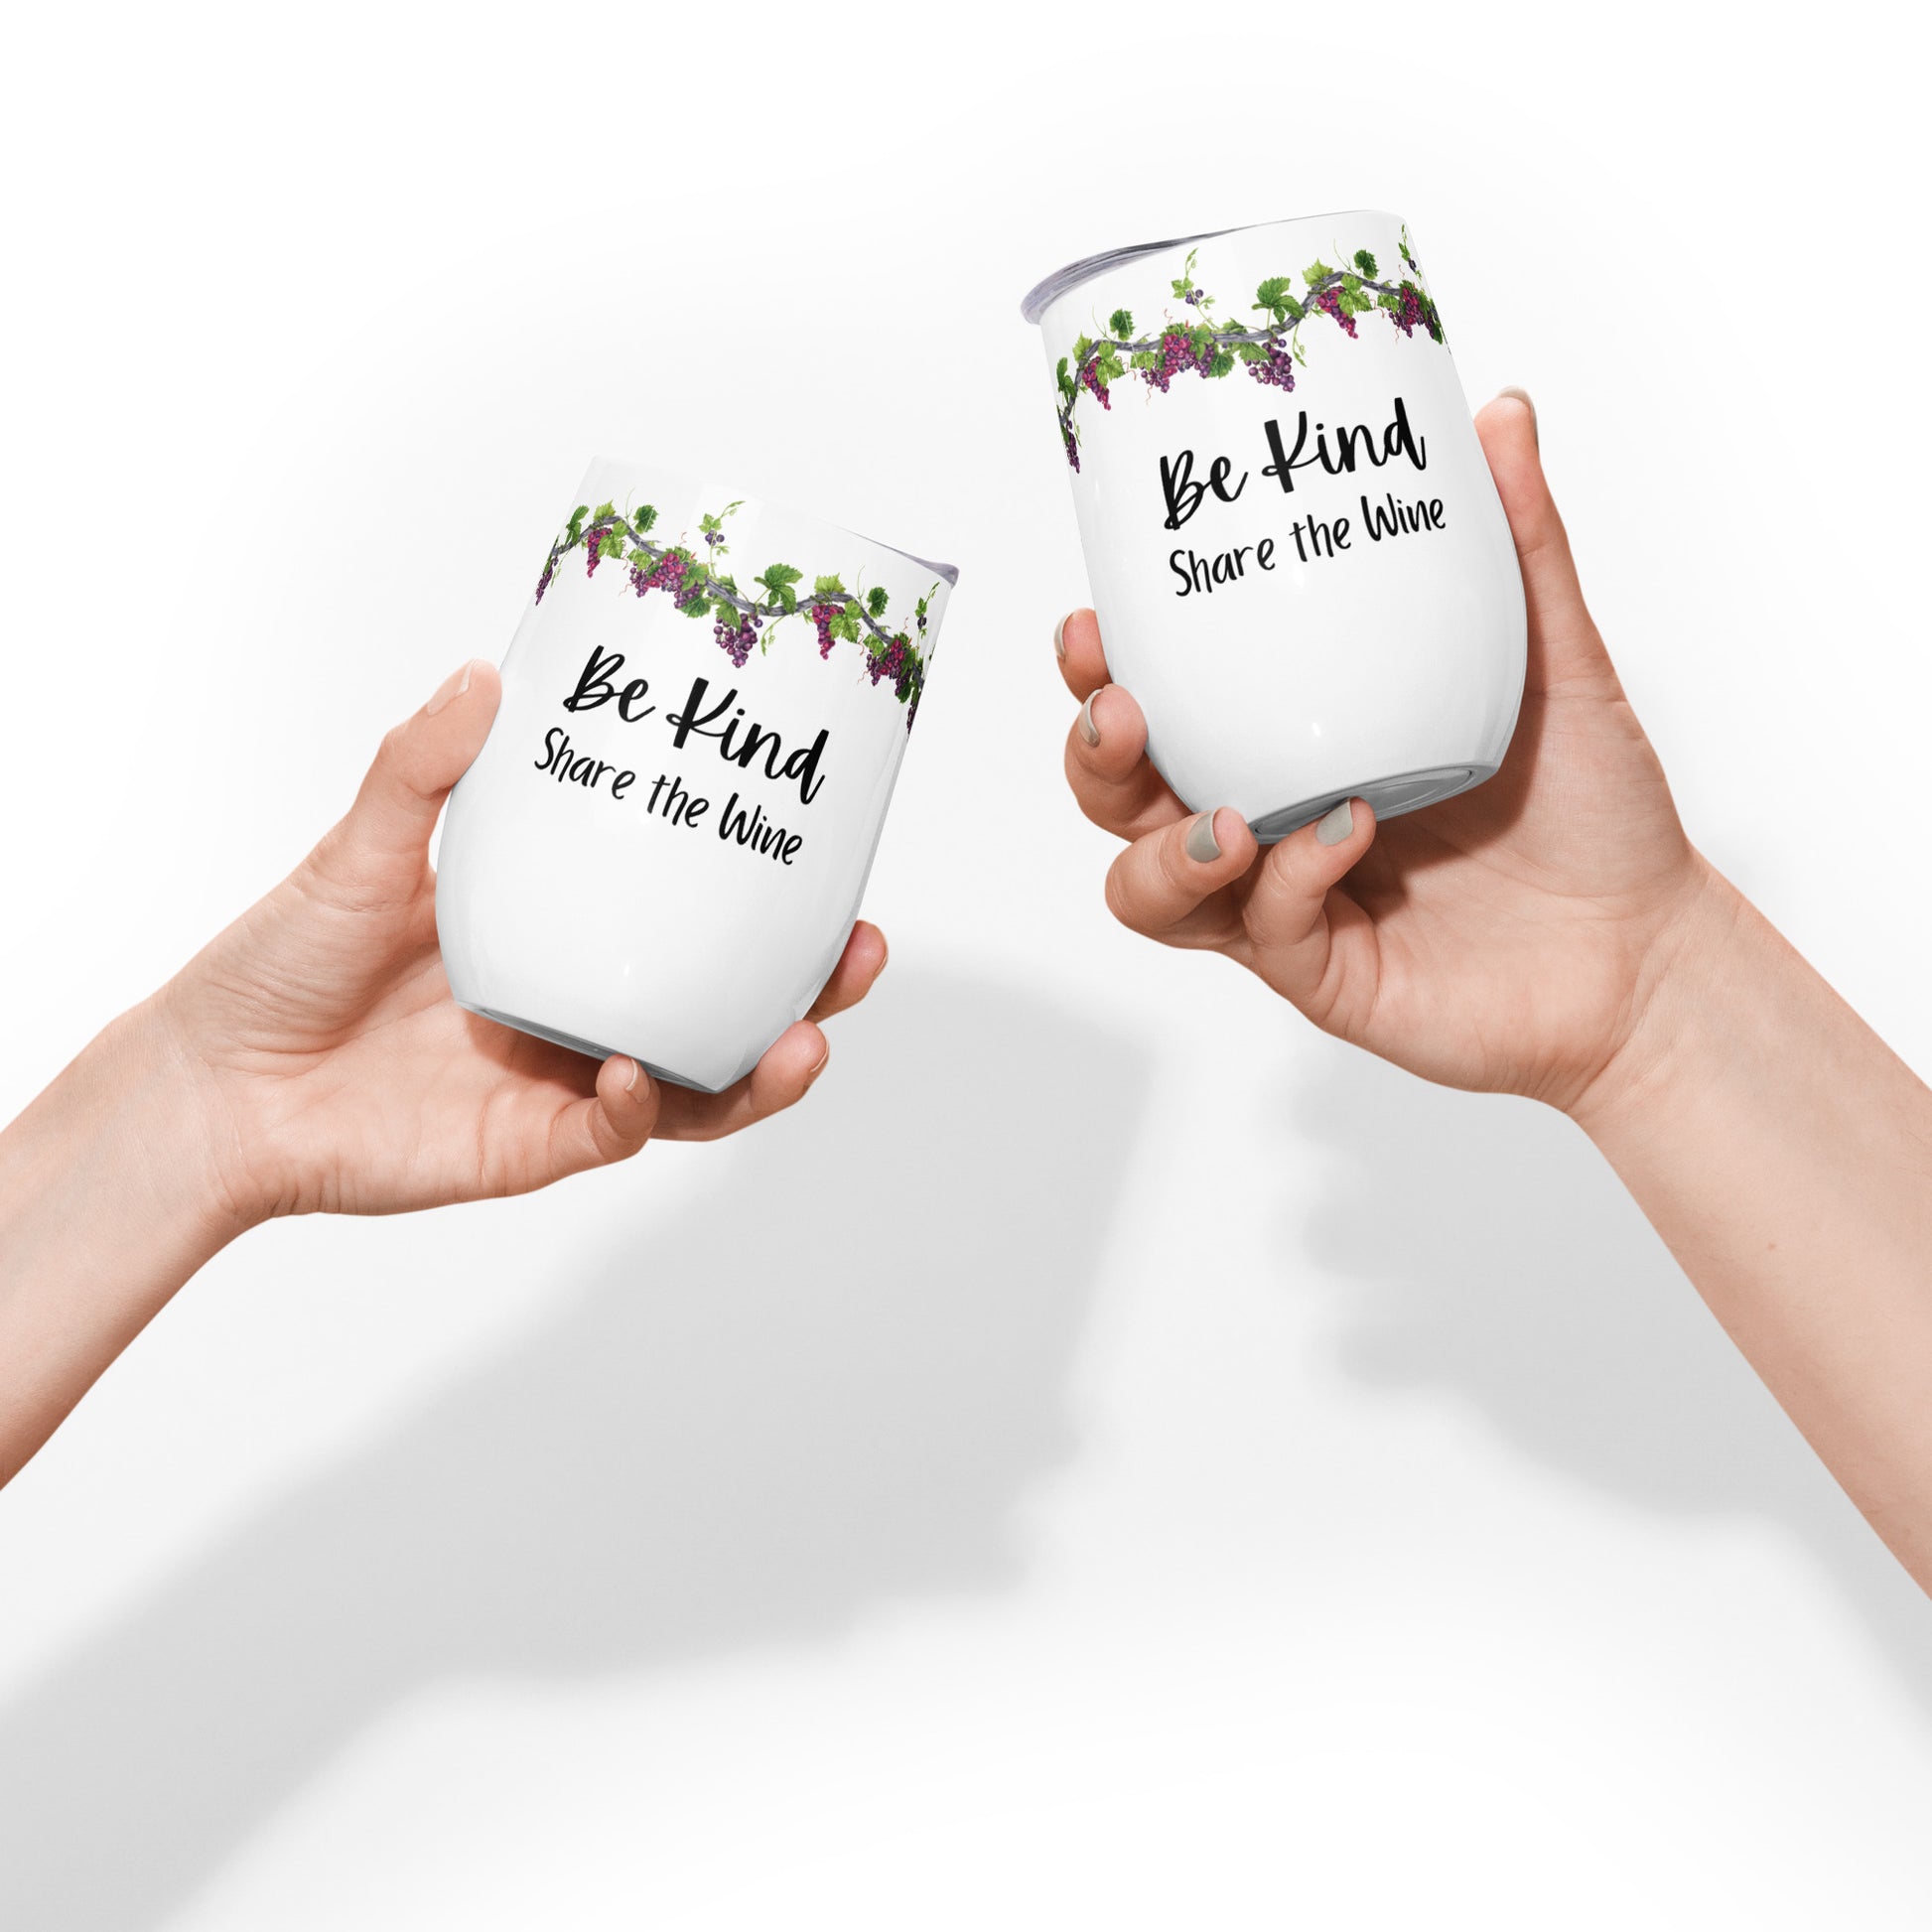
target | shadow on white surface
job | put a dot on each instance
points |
(1486, 1251)
(824, 1384)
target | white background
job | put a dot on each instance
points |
(1115, 1457)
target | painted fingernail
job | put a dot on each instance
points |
(1059, 637)
(452, 688)
(1088, 729)
(818, 1067)
(1336, 826)
(636, 1075)
(1202, 846)
(1523, 396)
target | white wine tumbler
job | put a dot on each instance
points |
(1298, 560)
(661, 849)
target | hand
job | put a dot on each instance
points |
(331, 1068)
(1508, 940)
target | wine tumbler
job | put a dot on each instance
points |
(661, 849)
(1298, 560)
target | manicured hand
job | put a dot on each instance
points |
(328, 1067)
(1508, 939)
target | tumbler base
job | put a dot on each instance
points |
(1386, 798)
(589, 1047)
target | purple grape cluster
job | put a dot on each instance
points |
(1330, 303)
(1192, 298)
(713, 537)
(891, 663)
(669, 575)
(1278, 371)
(1090, 380)
(1177, 353)
(1072, 447)
(1417, 311)
(736, 640)
(593, 548)
(822, 616)
(549, 571)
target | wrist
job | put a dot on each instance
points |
(1687, 972)
(159, 1126)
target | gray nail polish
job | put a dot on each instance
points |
(1524, 397)
(1336, 826)
(1059, 638)
(1202, 846)
(1088, 729)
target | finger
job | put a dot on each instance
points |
(1314, 941)
(611, 1125)
(1565, 645)
(790, 1064)
(861, 963)
(1174, 884)
(1108, 768)
(1076, 643)
(383, 842)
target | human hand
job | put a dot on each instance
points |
(331, 1069)
(1508, 940)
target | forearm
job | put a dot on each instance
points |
(1784, 1153)
(106, 1209)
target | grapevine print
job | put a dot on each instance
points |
(1270, 351)
(696, 586)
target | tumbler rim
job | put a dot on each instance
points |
(1044, 294)
(948, 573)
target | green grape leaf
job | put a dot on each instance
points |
(1221, 363)
(1143, 359)
(1274, 293)
(1365, 262)
(644, 518)
(1316, 271)
(846, 626)
(699, 606)
(642, 558)
(1121, 322)
(877, 599)
(602, 511)
(1251, 352)
(827, 586)
(1064, 376)
(1110, 368)
(1082, 349)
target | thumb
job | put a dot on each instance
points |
(1565, 645)
(385, 837)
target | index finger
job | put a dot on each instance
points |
(1076, 643)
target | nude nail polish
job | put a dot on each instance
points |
(1336, 826)
(1524, 397)
(1088, 729)
(1202, 846)
(1059, 638)
(452, 688)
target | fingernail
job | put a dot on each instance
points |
(636, 1075)
(452, 688)
(1523, 396)
(1336, 826)
(1202, 846)
(1088, 729)
(1059, 638)
(818, 1066)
